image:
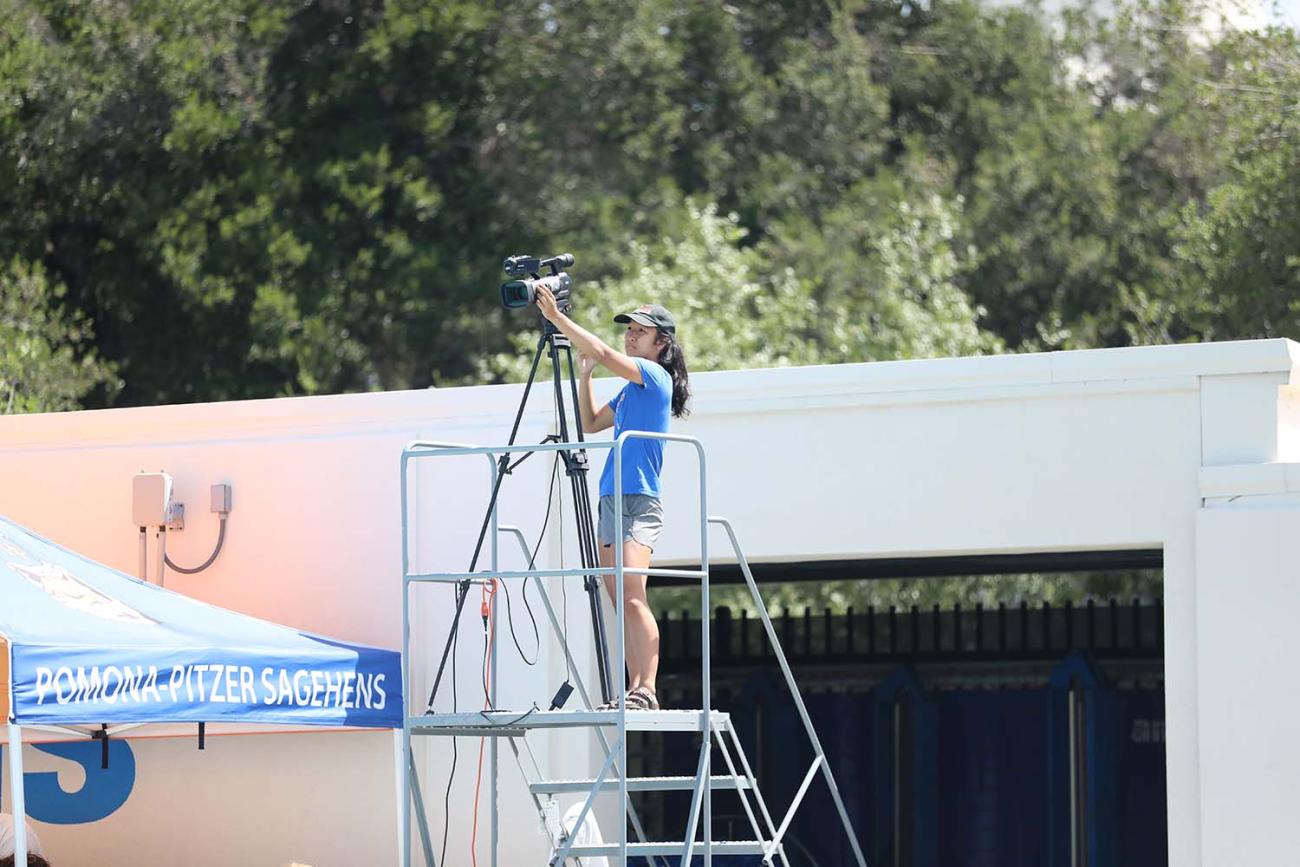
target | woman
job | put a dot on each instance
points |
(658, 385)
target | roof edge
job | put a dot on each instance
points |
(466, 407)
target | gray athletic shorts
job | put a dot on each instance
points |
(643, 520)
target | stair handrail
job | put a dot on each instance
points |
(819, 753)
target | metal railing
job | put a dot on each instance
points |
(819, 755)
(716, 728)
(616, 755)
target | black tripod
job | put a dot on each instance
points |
(575, 467)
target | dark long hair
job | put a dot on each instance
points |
(673, 359)
(32, 861)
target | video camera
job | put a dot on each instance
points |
(523, 292)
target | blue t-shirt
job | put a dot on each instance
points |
(640, 407)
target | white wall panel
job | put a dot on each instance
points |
(1092, 450)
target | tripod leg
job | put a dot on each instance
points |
(462, 589)
(575, 467)
(588, 534)
(592, 585)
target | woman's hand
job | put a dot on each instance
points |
(547, 304)
(586, 364)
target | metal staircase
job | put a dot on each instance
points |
(611, 727)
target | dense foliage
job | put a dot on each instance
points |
(208, 201)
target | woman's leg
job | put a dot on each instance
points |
(642, 632)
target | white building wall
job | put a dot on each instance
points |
(313, 541)
(1097, 450)
(1248, 584)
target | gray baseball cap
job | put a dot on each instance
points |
(651, 316)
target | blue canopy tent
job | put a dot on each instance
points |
(82, 644)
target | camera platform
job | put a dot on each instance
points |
(507, 723)
(711, 731)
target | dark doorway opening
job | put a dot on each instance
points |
(976, 719)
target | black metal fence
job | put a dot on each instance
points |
(1107, 629)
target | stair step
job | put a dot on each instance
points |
(634, 784)
(667, 847)
(513, 723)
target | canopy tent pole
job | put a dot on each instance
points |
(403, 810)
(19, 811)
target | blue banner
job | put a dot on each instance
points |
(90, 645)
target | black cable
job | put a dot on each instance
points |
(532, 564)
(523, 716)
(564, 585)
(446, 800)
(537, 639)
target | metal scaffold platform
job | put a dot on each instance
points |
(718, 741)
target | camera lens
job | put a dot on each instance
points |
(517, 293)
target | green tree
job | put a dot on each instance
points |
(989, 92)
(893, 298)
(249, 199)
(46, 361)
(111, 113)
(1239, 266)
(883, 271)
(730, 313)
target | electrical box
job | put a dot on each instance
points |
(221, 499)
(151, 496)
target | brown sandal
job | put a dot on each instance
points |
(641, 698)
